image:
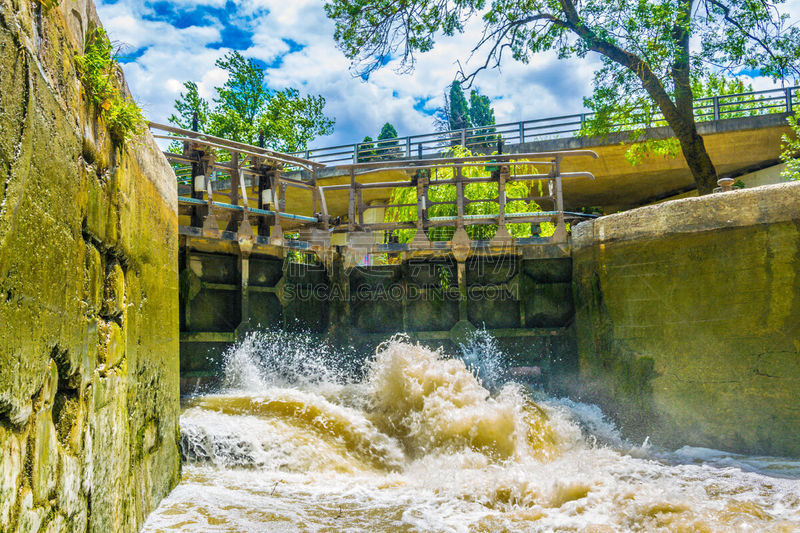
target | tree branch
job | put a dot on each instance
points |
(726, 11)
(649, 80)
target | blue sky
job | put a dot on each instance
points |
(166, 43)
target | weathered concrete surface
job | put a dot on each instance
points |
(687, 319)
(88, 294)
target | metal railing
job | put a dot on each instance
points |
(784, 100)
(265, 173)
(499, 169)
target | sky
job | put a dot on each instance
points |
(166, 43)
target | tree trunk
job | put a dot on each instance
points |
(696, 155)
(679, 114)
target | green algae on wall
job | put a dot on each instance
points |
(687, 319)
(88, 294)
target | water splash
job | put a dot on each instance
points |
(421, 444)
(268, 358)
(430, 402)
(484, 358)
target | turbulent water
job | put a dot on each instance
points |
(419, 444)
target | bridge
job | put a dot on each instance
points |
(741, 131)
(303, 241)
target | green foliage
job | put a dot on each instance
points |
(49, 4)
(245, 107)
(480, 109)
(388, 131)
(637, 152)
(98, 72)
(444, 277)
(648, 63)
(366, 150)
(386, 147)
(458, 112)
(472, 191)
(481, 114)
(188, 105)
(790, 150)
(618, 110)
(730, 34)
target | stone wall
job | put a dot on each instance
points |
(688, 319)
(88, 294)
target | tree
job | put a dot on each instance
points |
(190, 106)
(366, 150)
(388, 131)
(650, 49)
(637, 117)
(790, 153)
(480, 109)
(481, 114)
(458, 113)
(387, 146)
(244, 107)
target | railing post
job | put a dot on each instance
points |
(351, 201)
(235, 174)
(789, 103)
(276, 232)
(560, 234)
(502, 237)
(420, 239)
(715, 101)
(408, 147)
(521, 132)
(460, 242)
(464, 137)
(355, 153)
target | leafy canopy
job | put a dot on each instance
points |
(635, 113)
(651, 50)
(245, 109)
(730, 34)
(480, 109)
(791, 150)
(388, 131)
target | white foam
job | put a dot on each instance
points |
(421, 445)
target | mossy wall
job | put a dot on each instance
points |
(688, 319)
(88, 294)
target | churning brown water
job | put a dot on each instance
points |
(420, 445)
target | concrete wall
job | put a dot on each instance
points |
(765, 176)
(688, 319)
(88, 294)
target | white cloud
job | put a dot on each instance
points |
(545, 87)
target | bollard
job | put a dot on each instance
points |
(726, 184)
